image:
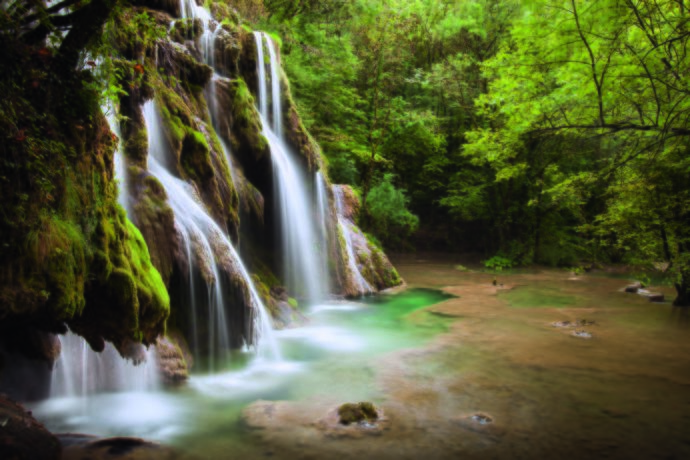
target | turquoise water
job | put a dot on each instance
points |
(333, 355)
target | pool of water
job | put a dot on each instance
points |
(333, 355)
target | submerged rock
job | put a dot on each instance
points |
(576, 323)
(655, 297)
(482, 419)
(651, 296)
(22, 437)
(582, 334)
(78, 447)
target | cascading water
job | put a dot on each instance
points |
(324, 212)
(345, 225)
(80, 371)
(208, 245)
(302, 270)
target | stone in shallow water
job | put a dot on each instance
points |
(655, 297)
(562, 324)
(576, 323)
(357, 413)
(582, 334)
(633, 288)
(482, 419)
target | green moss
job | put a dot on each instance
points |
(355, 413)
(195, 157)
(264, 292)
(246, 119)
(538, 297)
(150, 287)
(59, 248)
(185, 29)
(277, 39)
(173, 123)
(137, 143)
(293, 302)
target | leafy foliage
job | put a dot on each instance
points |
(388, 211)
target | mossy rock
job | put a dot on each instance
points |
(156, 221)
(241, 127)
(225, 13)
(195, 157)
(349, 413)
(186, 29)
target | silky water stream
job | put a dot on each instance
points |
(329, 355)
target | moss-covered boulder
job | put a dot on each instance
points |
(357, 413)
(156, 221)
(241, 126)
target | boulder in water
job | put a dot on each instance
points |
(633, 288)
(362, 412)
(173, 362)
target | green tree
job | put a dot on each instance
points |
(609, 75)
(390, 218)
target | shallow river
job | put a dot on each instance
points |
(461, 369)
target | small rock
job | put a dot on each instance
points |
(582, 334)
(651, 296)
(562, 324)
(279, 293)
(173, 363)
(482, 419)
(585, 322)
(633, 288)
(363, 413)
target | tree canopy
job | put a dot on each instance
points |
(541, 131)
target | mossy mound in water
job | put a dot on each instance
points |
(355, 413)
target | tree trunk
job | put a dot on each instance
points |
(683, 289)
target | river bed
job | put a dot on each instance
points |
(543, 365)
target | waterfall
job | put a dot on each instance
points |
(302, 271)
(324, 212)
(80, 371)
(346, 228)
(119, 161)
(208, 245)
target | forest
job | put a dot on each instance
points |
(539, 132)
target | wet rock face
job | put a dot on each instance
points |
(26, 360)
(350, 202)
(372, 263)
(22, 437)
(173, 364)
